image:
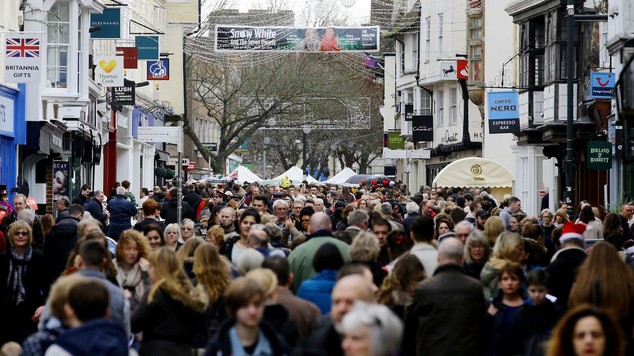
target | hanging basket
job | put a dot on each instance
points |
(160, 171)
(169, 174)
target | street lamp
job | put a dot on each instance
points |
(305, 132)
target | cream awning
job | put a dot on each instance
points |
(474, 172)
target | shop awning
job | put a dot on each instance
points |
(474, 172)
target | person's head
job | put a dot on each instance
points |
(510, 278)
(412, 207)
(282, 269)
(248, 260)
(546, 216)
(76, 211)
(385, 209)
(477, 248)
(85, 190)
(154, 235)
(62, 203)
(515, 205)
(280, 209)
(150, 207)
(319, 221)
(58, 296)
(407, 273)
(131, 247)
(212, 271)
(381, 228)
(598, 284)
(126, 184)
(358, 218)
(260, 203)
(462, 230)
(327, 257)
(248, 218)
(298, 205)
(304, 217)
(493, 227)
(450, 250)
(99, 195)
(561, 216)
(319, 204)
(509, 246)
(422, 230)
(86, 226)
(144, 192)
(267, 280)
(443, 225)
(87, 300)
(365, 247)
(172, 234)
(47, 221)
(346, 292)
(216, 235)
(227, 217)
(92, 254)
(187, 229)
(26, 215)
(20, 235)
(244, 301)
(427, 209)
(514, 223)
(572, 234)
(536, 283)
(371, 329)
(586, 330)
(627, 210)
(120, 190)
(257, 237)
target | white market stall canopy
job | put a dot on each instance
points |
(295, 174)
(340, 177)
(474, 172)
(243, 174)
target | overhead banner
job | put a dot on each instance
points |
(109, 70)
(159, 70)
(124, 95)
(422, 128)
(395, 141)
(409, 112)
(504, 113)
(297, 39)
(130, 57)
(22, 58)
(106, 24)
(148, 47)
(602, 85)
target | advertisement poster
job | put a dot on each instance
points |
(60, 179)
(297, 39)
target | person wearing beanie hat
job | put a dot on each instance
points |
(564, 264)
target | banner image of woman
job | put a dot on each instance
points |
(60, 179)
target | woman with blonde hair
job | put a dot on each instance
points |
(561, 217)
(132, 266)
(604, 280)
(476, 253)
(170, 313)
(172, 235)
(365, 249)
(509, 247)
(212, 272)
(186, 254)
(493, 227)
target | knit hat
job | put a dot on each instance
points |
(572, 231)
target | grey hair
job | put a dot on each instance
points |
(27, 215)
(386, 208)
(320, 221)
(280, 202)
(84, 223)
(319, 201)
(173, 226)
(120, 190)
(476, 238)
(64, 200)
(248, 260)
(188, 222)
(450, 250)
(386, 328)
(464, 223)
(358, 217)
(412, 207)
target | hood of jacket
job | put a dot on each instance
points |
(95, 337)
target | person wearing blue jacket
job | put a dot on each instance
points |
(121, 211)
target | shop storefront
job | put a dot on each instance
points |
(11, 134)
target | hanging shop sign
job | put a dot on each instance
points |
(124, 95)
(130, 57)
(409, 112)
(159, 70)
(109, 70)
(504, 113)
(422, 128)
(599, 155)
(148, 47)
(22, 58)
(602, 85)
(395, 141)
(109, 22)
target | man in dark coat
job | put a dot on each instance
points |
(169, 209)
(564, 264)
(82, 197)
(61, 205)
(192, 198)
(121, 211)
(447, 316)
(94, 206)
(62, 240)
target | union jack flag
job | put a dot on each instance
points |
(22, 47)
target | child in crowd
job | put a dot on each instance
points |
(534, 322)
(4, 201)
(503, 308)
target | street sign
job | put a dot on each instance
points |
(602, 85)
(191, 166)
(168, 134)
(448, 71)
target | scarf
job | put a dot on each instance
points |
(134, 280)
(15, 283)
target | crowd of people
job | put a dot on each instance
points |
(313, 270)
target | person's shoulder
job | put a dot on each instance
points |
(56, 350)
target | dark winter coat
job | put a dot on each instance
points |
(563, 272)
(533, 325)
(447, 316)
(95, 337)
(121, 211)
(221, 344)
(145, 222)
(323, 341)
(95, 208)
(59, 244)
(500, 337)
(169, 211)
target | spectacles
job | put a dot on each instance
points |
(188, 228)
(21, 233)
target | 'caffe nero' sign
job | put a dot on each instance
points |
(599, 155)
